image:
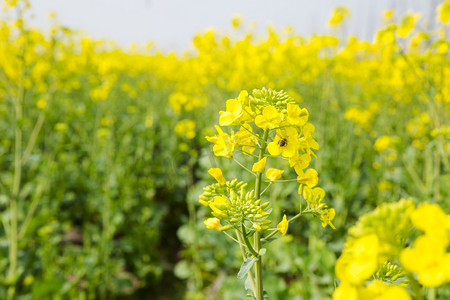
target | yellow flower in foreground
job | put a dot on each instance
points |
(431, 219)
(269, 119)
(345, 291)
(217, 174)
(274, 174)
(283, 225)
(212, 223)
(377, 289)
(260, 166)
(359, 262)
(428, 258)
(310, 178)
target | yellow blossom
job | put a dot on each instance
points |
(217, 174)
(431, 219)
(327, 216)
(213, 223)
(224, 144)
(246, 139)
(444, 12)
(407, 24)
(269, 119)
(359, 262)
(185, 128)
(274, 174)
(233, 113)
(339, 14)
(382, 143)
(41, 104)
(283, 225)
(285, 142)
(428, 258)
(300, 162)
(259, 166)
(296, 115)
(310, 178)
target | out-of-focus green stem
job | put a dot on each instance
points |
(13, 241)
(415, 287)
(257, 238)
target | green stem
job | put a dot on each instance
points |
(257, 238)
(415, 287)
(284, 180)
(13, 241)
(244, 167)
(275, 231)
(244, 256)
(247, 242)
(33, 138)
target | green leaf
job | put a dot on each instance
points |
(246, 266)
(262, 251)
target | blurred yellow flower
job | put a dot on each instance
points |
(382, 143)
(185, 128)
(327, 216)
(444, 12)
(339, 14)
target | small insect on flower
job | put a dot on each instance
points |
(282, 142)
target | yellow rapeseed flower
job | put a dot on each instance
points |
(359, 262)
(382, 143)
(273, 174)
(224, 144)
(300, 162)
(444, 12)
(327, 216)
(296, 115)
(428, 258)
(212, 223)
(260, 166)
(217, 174)
(283, 225)
(310, 178)
(339, 14)
(285, 142)
(269, 119)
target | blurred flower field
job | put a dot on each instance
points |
(103, 157)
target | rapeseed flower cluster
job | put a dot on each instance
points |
(272, 121)
(375, 263)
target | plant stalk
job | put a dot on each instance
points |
(257, 238)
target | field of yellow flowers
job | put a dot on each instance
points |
(104, 155)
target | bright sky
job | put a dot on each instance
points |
(173, 23)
